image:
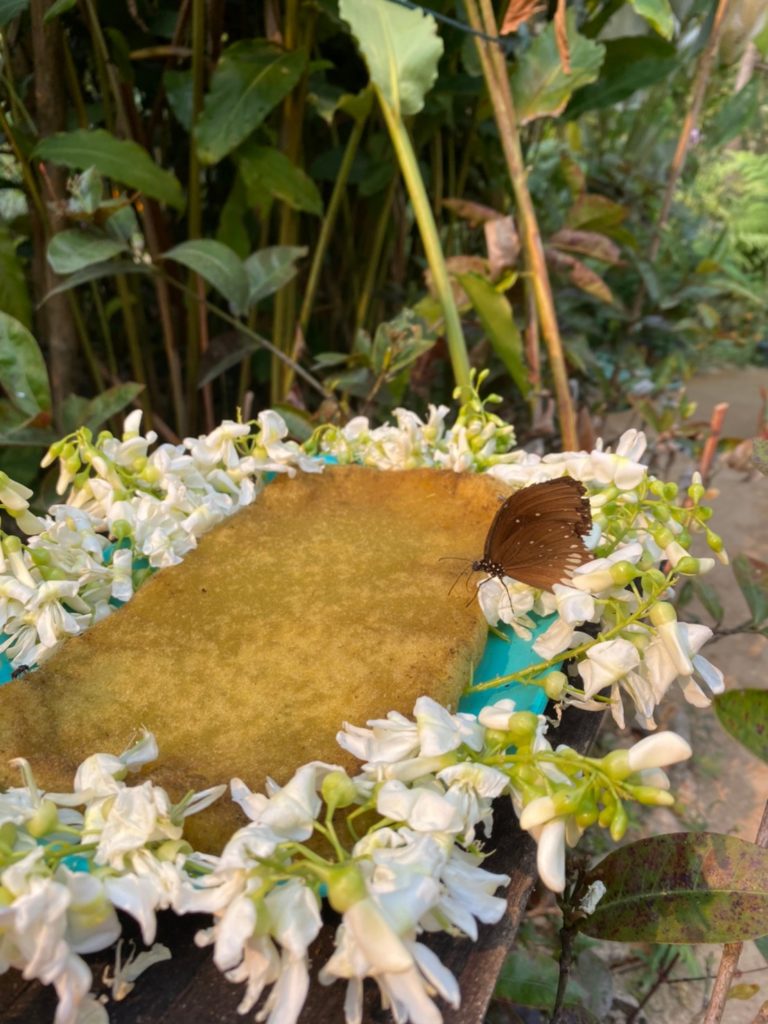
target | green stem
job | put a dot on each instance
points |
(374, 257)
(422, 209)
(134, 345)
(329, 221)
(194, 207)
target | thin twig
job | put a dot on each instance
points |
(662, 977)
(732, 951)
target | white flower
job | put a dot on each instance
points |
(423, 809)
(663, 748)
(622, 468)
(606, 663)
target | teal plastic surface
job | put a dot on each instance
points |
(502, 658)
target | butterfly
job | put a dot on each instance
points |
(536, 536)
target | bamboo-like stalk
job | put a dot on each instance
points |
(374, 257)
(134, 345)
(497, 81)
(430, 238)
(700, 82)
(195, 313)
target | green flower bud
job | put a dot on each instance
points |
(495, 739)
(587, 812)
(345, 887)
(696, 492)
(655, 578)
(40, 556)
(44, 820)
(616, 765)
(605, 817)
(566, 801)
(522, 726)
(684, 538)
(11, 545)
(704, 513)
(52, 573)
(338, 790)
(688, 566)
(662, 536)
(8, 833)
(171, 848)
(623, 573)
(714, 540)
(670, 490)
(661, 513)
(554, 684)
(652, 796)
(619, 823)
(121, 529)
(662, 613)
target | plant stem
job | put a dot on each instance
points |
(374, 257)
(430, 238)
(134, 345)
(194, 210)
(497, 81)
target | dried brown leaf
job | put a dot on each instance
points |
(518, 12)
(561, 35)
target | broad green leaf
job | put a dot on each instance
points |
(495, 315)
(109, 403)
(178, 89)
(269, 269)
(97, 271)
(119, 159)
(592, 212)
(73, 250)
(540, 86)
(9, 9)
(218, 265)
(753, 583)
(735, 116)
(250, 79)
(631, 63)
(401, 48)
(268, 173)
(60, 7)
(744, 714)
(23, 375)
(233, 228)
(530, 979)
(685, 887)
(14, 293)
(658, 14)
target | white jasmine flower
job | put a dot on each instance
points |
(606, 663)
(289, 811)
(423, 809)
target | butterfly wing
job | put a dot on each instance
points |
(536, 534)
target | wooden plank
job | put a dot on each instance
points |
(191, 989)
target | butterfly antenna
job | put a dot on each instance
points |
(463, 572)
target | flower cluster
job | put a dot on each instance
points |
(425, 792)
(129, 511)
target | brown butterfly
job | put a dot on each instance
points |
(536, 536)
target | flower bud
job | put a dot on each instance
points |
(616, 765)
(11, 545)
(651, 796)
(40, 556)
(662, 613)
(670, 490)
(44, 820)
(655, 578)
(696, 492)
(663, 536)
(8, 833)
(657, 750)
(554, 684)
(522, 726)
(688, 566)
(121, 529)
(566, 801)
(338, 790)
(171, 848)
(656, 487)
(623, 573)
(587, 812)
(619, 823)
(345, 887)
(605, 817)
(714, 540)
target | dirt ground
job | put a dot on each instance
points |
(725, 788)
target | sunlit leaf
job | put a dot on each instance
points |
(250, 79)
(540, 86)
(119, 159)
(681, 888)
(72, 250)
(401, 48)
(744, 714)
(271, 268)
(218, 265)
(23, 375)
(658, 14)
(269, 173)
(495, 314)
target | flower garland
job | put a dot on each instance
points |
(68, 861)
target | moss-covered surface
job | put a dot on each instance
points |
(324, 601)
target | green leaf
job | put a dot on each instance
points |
(744, 714)
(14, 293)
(271, 268)
(109, 403)
(121, 160)
(631, 63)
(658, 14)
(530, 979)
(250, 79)
(753, 583)
(495, 314)
(218, 265)
(540, 86)
(592, 212)
(401, 48)
(73, 250)
(735, 116)
(23, 375)
(681, 888)
(60, 7)
(178, 89)
(269, 173)
(97, 271)
(232, 229)
(9, 9)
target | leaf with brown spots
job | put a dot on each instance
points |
(686, 887)
(744, 714)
